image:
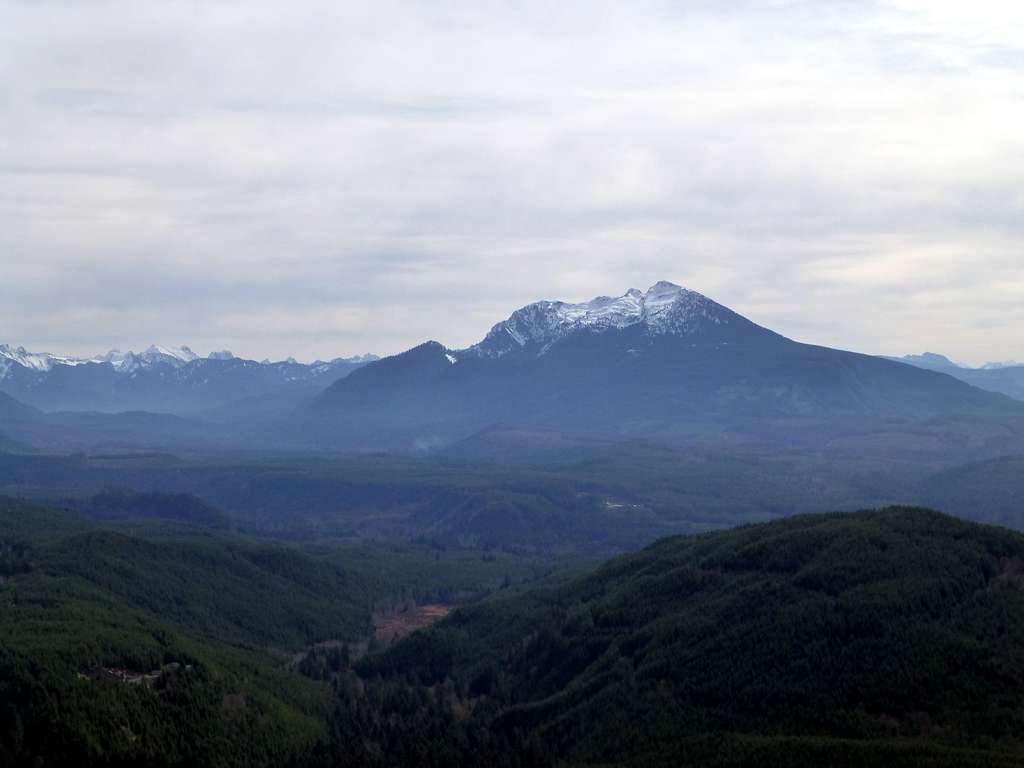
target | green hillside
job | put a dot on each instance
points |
(987, 490)
(89, 613)
(161, 643)
(876, 638)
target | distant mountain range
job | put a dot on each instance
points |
(941, 363)
(667, 363)
(160, 379)
(1007, 377)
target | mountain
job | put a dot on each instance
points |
(886, 638)
(668, 363)
(1006, 378)
(664, 310)
(160, 379)
(929, 361)
(1004, 364)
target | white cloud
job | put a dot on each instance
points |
(292, 180)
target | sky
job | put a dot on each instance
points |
(326, 178)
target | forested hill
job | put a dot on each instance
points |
(136, 650)
(893, 637)
(159, 641)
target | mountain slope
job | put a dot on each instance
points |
(879, 638)
(668, 363)
(991, 490)
(13, 410)
(129, 650)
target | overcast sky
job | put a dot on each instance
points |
(326, 178)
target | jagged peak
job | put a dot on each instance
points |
(664, 308)
(182, 354)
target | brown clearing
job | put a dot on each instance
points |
(400, 622)
(388, 626)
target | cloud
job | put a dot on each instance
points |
(334, 178)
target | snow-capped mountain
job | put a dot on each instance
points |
(666, 362)
(161, 378)
(44, 361)
(664, 309)
(154, 355)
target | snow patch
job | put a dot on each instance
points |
(665, 308)
(35, 361)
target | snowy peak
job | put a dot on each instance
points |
(128, 362)
(155, 357)
(39, 362)
(44, 362)
(664, 309)
(174, 355)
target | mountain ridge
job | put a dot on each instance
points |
(153, 354)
